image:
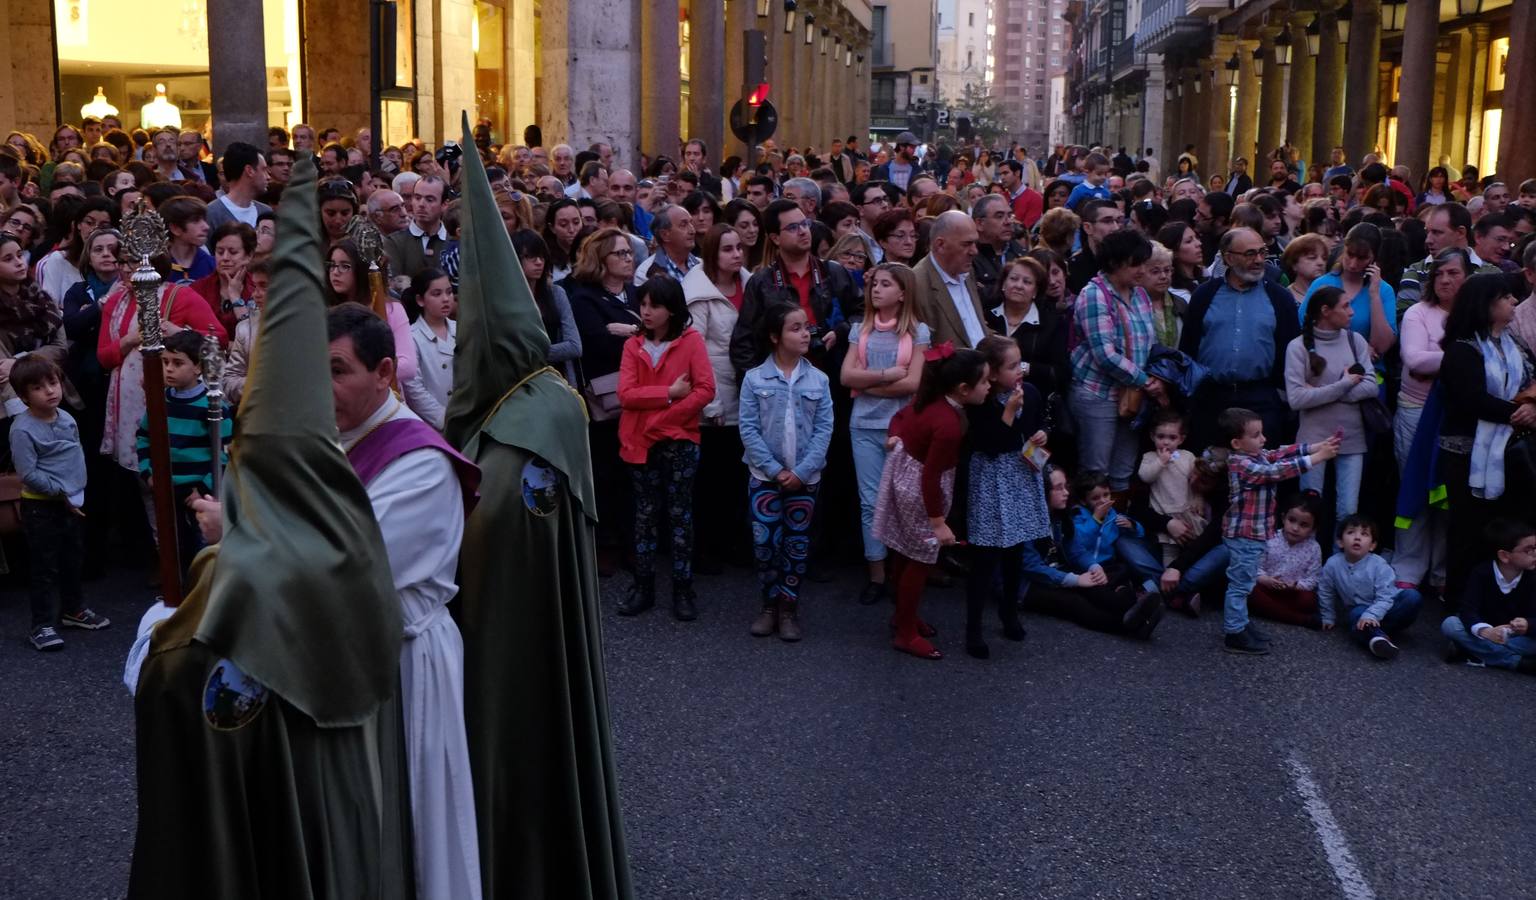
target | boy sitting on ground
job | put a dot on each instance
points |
(1364, 584)
(1498, 592)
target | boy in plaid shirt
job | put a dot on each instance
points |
(1253, 474)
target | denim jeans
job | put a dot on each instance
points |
(53, 548)
(868, 463)
(1405, 608)
(1500, 656)
(1142, 560)
(1203, 573)
(1105, 442)
(1420, 548)
(1347, 471)
(1243, 555)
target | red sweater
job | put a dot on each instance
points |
(932, 436)
(649, 416)
(188, 310)
(207, 287)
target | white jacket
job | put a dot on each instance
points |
(715, 318)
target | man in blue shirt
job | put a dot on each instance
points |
(1237, 327)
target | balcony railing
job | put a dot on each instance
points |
(883, 55)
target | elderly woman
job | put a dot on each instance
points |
(1485, 376)
(1022, 312)
(1420, 549)
(896, 233)
(603, 301)
(1113, 330)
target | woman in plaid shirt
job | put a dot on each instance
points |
(1112, 329)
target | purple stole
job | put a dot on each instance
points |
(398, 437)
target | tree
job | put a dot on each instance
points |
(988, 118)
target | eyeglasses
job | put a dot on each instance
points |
(878, 201)
(338, 267)
(20, 223)
(626, 253)
(1249, 255)
(801, 225)
(856, 256)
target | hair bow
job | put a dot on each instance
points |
(939, 352)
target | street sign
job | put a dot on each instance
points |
(754, 133)
(943, 120)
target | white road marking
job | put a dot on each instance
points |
(1351, 880)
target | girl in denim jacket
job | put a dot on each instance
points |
(786, 427)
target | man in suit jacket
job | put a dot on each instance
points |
(947, 298)
(422, 243)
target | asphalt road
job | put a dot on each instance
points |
(1072, 765)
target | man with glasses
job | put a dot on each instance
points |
(189, 145)
(824, 291)
(872, 200)
(1101, 218)
(386, 210)
(1493, 237)
(1238, 327)
(995, 245)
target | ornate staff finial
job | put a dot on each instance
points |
(370, 243)
(213, 379)
(144, 236)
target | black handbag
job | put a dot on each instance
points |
(1520, 458)
(1373, 412)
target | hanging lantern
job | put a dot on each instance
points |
(1394, 14)
(1342, 17)
(1466, 8)
(1233, 66)
(810, 29)
(789, 16)
(764, 7)
(1314, 38)
(826, 35)
(1283, 49)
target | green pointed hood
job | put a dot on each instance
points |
(502, 345)
(301, 595)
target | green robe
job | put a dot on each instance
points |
(535, 703)
(241, 795)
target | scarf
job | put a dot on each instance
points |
(28, 317)
(97, 288)
(1504, 371)
(903, 345)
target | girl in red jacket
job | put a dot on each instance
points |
(918, 483)
(665, 381)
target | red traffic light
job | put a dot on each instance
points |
(758, 95)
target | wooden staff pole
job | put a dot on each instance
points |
(145, 236)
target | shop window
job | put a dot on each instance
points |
(488, 40)
(92, 53)
(1498, 63)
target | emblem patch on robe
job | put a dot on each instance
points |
(541, 487)
(231, 698)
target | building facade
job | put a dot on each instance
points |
(964, 47)
(582, 70)
(903, 81)
(1420, 82)
(1030, 48)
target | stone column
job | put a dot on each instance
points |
(1154, 109)
(522, 98)
(660, 79)
(1245, 136)
(1384, 112)
(1218, 103)
(1416, 89)
(740, 15)
(238, 84)
(805, 85)
(1517, 132)
(709, 87)
(1363, 87)
(1328, 116)
(821, 96)
(1196, 116)
(1458, 85)
(601, 39)
(1272, 101)
(453, 67)
(1302, 93)
(786, 74)
(1479, 87)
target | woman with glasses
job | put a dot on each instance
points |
(1373, 300)
(57, 272)
(852, 253)
(346, 275)
(896, 233)
(603, 301)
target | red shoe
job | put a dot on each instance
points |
(918, 647)
(923, 628)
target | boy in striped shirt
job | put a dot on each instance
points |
(186, 421)
(1252, 475)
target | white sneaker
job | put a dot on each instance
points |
(1382, 648)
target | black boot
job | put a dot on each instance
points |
(1008, 611)
(684, 609)
(642, 596)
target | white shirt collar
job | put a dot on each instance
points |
(1030, 318)
(442, 231)
(1506, 586)
(949, 279)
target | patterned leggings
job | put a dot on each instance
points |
(668, 473)
(781, 524)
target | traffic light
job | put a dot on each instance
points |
(757, 96)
